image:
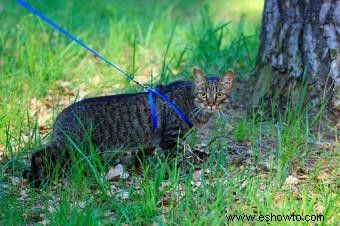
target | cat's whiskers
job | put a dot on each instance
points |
(219, 114)
(196, 112)
(224, 117)
(204, 114)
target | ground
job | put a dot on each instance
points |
(282, 162)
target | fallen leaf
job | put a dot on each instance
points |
(117, 173)
(44, 222)
(51, 209)
(196, 185)
(197, 175)
(291, 180)
(43, 130)
(2, 152)
(122, 194)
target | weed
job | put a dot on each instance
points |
(156, 43)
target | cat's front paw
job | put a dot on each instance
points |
(36, 174)
(27, 174)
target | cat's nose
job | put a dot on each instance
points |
(211, 106)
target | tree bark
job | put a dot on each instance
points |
(299, 41)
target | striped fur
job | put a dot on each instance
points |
(124, 120)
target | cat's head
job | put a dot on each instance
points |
(212, 93)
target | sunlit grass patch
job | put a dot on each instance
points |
(250, 165)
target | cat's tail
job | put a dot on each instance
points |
(43, 159)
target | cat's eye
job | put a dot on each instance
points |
(219, 95)
(203, 94)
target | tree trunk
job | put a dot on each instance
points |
(299, 41)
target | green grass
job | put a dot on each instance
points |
(250, 156)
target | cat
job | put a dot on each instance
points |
(124, 120)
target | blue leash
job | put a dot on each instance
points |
(130, 77)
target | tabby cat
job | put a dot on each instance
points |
(124, 120)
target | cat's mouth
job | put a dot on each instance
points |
(211, 111)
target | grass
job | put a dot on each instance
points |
(250, 157)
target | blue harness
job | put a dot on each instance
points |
(148, 89)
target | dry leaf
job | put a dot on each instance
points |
(44, 222)
(43, 130)
(291, 180)
(2, 151)
(51, 209)
(324, 177)
(64, 83)
(196, 186)
(117, 173)
(197, 175)
(122, 194)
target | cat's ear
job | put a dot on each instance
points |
(227, 78)
(199, 76)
